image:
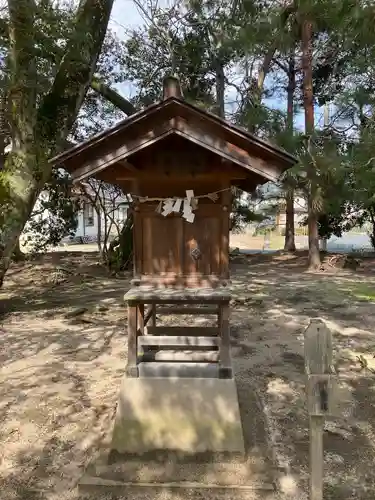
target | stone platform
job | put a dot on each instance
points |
(184, 415)
(179, 436)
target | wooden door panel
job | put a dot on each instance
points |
(166, 242)
(162, 244)
(204, 234)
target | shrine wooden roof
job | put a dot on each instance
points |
(261, 160)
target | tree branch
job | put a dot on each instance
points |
(269, 56)
(59, 108)
(281, 65)
(166, 35)
(112, 96)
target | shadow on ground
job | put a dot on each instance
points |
(60, 374)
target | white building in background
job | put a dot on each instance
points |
(112, 218)
(107, 218)
(88, 220)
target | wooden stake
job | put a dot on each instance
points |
(316, 457)
(320, 378)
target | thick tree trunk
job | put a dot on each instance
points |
(16, 206)
(57, 53)
(41, 131)
(307, 61)
(290, 244)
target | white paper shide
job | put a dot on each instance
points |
(188, 205)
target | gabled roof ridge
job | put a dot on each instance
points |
(103, 135)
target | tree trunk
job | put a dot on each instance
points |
(18, 254)
(220, 89)
(312, 224)
(290, 244)
(16, 205)
(2, 129)
(41, 131)
(308, 96)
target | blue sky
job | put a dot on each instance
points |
(125, 15)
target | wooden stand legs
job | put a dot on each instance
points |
(132, 369)
(225, 368)
(136, 326)
(138, 318)
(153, 317)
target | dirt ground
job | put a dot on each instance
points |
(63, 353)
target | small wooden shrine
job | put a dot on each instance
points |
(179, 163)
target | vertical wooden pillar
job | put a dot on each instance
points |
(137, 235)
(132, 369)
(225, 368)
(153, 317)
(226, 202)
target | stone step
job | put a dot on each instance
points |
(172, 355)
(160, 369)
(203, 331)
(177, 341)
(166, 491)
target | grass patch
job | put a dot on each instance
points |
(362, 292)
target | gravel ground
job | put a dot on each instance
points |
(62, 353)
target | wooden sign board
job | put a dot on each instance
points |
(321, 383)
(321, 395)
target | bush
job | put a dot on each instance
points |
(120, 252)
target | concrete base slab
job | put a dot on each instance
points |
(164, 466)
(181, 415)
(128, 478)
(172, 491)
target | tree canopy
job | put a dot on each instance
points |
(272, 67)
